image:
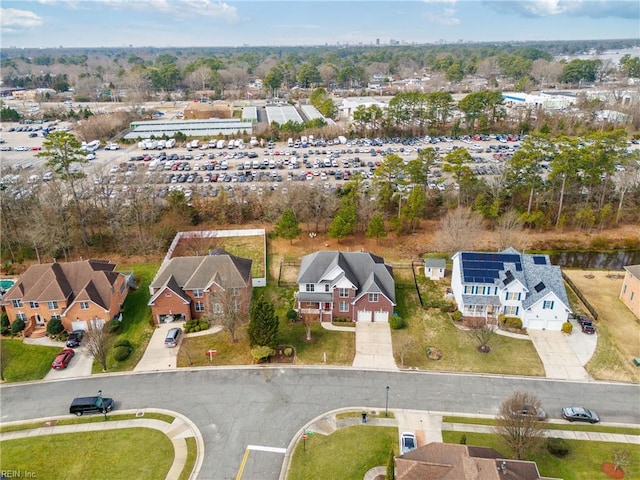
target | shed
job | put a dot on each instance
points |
(434, 268)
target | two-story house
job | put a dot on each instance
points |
(74, 292)
(630, 291)
(513, 284)
(358, 286)
(192, 287)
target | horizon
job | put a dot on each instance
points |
(70, 24)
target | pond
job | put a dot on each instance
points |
(611, 260)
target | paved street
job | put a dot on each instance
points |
(266, 407)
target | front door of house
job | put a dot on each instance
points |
(40, 321)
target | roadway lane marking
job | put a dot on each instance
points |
(258, 448)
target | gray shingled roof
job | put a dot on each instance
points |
(367, 272)
(634, 270)
(435, 262)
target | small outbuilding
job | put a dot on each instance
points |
(435, 268)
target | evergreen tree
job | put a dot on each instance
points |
(288, 226)
(263, 326)
(376, 228)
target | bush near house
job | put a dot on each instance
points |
(196, 325)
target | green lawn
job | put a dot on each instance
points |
(432, 328)
(26, 362)
(346, 454)
(582, 463)
(136, 323)
(108, 454)
(89, 419)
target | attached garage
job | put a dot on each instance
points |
(79, 325)
(537, 324)
(381, 316)
(364, 316)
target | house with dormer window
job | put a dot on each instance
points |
(513, 284)
(358, 286)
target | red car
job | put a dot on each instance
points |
(63, 359)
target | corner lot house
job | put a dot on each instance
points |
(74, 292)
(630, 291)
(191, 287)
(510, 283)
(434, 268)
(358, 286)
(448, 461)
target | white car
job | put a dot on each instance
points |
(20, 149)
(407, 442)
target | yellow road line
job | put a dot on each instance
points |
(243, 464)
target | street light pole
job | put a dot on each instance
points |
(386, 406)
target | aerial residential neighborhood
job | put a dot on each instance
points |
(348, 240)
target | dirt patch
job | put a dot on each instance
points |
(610, 470)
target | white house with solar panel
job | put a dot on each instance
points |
(513, 284)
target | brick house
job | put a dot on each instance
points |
(630, 291)
(358, 286)
(192, 287)
(75, 292)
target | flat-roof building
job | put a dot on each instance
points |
(191, 128)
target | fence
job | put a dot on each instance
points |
(414, 279)
(582, 298)
(284, 283)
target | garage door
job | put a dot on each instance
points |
(79, 325)
(537, 324)
(380, 316)
(364, 316)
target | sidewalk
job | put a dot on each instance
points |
(178, 431)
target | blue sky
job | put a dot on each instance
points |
(180, 23)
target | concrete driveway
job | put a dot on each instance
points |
(79, 366)
(564, 356)
(373, 346)
(157, 356)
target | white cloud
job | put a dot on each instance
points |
(444, 16)
(13, 20)
(627, 9)
(180, 8)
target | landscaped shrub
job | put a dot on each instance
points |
(17, 326)
(292, 315)
(558, 447)
(54, 327)
(196, 325)
(457, 315)
(261, 354)
(397, 322)
(288, 352)
(342, 320)
(123, 342)
(121, 353)
(513, 322)
(447, 307)
(112, 326)
(5, 325)
(567, 327)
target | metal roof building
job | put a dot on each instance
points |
(250, 114)
(312, 113)
(191, 128)
(283, 114)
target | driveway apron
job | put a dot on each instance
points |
(559, 359)
(373, 346)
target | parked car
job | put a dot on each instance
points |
(75, 338)
(580, 414)
(582, 320)
(172, 338)
(589, 328)
(407, 442)
(97, 404)
(62, 359)
(530, 410)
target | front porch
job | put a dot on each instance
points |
(322, 311)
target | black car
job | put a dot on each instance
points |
(75, 338)
(580, 414)
(589, 328)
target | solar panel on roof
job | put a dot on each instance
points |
(539, 260)
(539, 287)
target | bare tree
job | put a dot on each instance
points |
(482, 332)
(458, 230)
(404, 346)
(97, 342)
(509, 230)
(520, 423)
(229, 306)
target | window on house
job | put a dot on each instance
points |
(373, 297)
(53, 305)
(631, 297)
(198, 293)
(235, 292)
(513, 295)
(344, 292)
(34, 305)
(217, 308)
(199, 306)
(56, 317)
(17, 303)
(547, 305)
(326, 287)
(21, 316)
(122, 287)
(84, 305)
(310, 287)
(510, 310)
(343, 306)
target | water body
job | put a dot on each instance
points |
(614, 260)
